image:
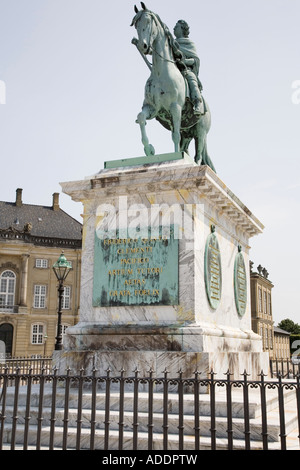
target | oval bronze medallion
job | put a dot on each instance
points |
(240, 283)
(213, 270)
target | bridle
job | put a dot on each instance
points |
(153, 17)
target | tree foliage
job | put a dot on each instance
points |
(290, 326)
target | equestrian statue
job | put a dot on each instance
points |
(173, 92)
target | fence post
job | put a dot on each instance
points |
(3, 399)
(229, 411)
(40, 410)
(15, 411)
(212, 411)
(246, 411)
(121, 410)
(150, 410)
(53, 409)
(263, 404)
(281, 413)
(79, 409)
(180, 411)
(66, 410)
(135, 423)
(27, 412)
(107, 410)
(197, 411)
(165, 410)
(93, 411)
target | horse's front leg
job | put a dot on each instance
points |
(146, 113)
(176, 111)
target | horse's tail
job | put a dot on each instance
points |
(206, 158)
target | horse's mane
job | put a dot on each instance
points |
(172, 42)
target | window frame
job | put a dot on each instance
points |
(66, 299)
(40, 296)
(7, 293)
(42, 261)
(39, 334)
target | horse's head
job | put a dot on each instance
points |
(146, 26)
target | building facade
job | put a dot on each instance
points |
(282, 344)
(275, 340)
(261, 308)
(31, 240)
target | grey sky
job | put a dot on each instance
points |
(74, 85)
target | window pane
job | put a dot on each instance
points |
(7, 288)
(37, 334)
(8, 274)
(3, 285)
(66, 297)
(39, 296)
(11, 286)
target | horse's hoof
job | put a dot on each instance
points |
(149, 150)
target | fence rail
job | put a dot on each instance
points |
(286, 367)
(34, 365)
(78, 411)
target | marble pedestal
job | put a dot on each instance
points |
(206, 328)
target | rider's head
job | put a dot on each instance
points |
(181, 29)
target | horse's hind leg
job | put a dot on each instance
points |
(146, 113)
(199, 145)
(184, 143)
(175, 110)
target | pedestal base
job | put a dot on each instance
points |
(154, 301)
(175, 348)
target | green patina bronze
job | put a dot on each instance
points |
(213, 270)
(173, 90)
(240, 283)
(136, 271)
(165, 157)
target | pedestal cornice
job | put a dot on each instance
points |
(162, 177)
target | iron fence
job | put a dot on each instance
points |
(34, 365)
(51, 411)
(287, 368)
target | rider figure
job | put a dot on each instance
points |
(188, 63)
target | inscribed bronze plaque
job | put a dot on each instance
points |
(213, 270)
(136, 271)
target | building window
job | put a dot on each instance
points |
(66, 300)
(266, 339)
(39, 296)
(271, 339)
(37, 336)
(265, 302)
(7, 289)
(269, 304)
(41, 263)
(259, 300)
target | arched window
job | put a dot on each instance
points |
(7, 289)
